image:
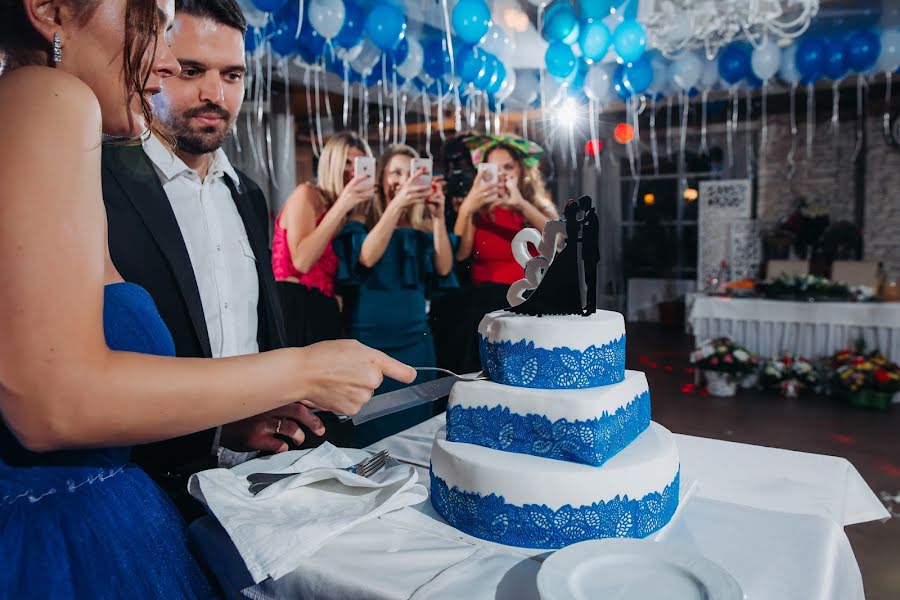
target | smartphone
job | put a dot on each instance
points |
(418, 163)
(364, 165)
(490, 169)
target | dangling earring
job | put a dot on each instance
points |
(57, 48)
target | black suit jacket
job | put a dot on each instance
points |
(147, 248)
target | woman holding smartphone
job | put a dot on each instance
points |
(303, 260)
(390, 259)
(507, 196)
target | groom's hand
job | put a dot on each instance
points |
(267, 432)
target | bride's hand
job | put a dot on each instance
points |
(513, 198)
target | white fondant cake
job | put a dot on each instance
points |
(529, 501)
(584, 425)
(554, 351)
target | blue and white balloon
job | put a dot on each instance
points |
(889, 57)
(326, 16)
(709, 76)
(415, 57)
(788, 71)
(685, 71)
(765, 60)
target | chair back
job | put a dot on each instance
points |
(854, 272)
(777, 268)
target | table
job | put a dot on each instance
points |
(771, 328)
(773, 518)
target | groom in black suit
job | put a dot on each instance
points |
(194, 232)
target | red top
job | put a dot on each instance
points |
(492, 257)
(321, 274)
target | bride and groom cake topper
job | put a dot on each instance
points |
(554, 278)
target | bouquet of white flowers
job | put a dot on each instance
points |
(790, 375)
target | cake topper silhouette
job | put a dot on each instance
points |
(555, 279)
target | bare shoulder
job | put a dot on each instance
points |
(47, 99)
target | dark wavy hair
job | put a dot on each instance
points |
(21, 45)
(224, 12)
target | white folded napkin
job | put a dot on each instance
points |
(290, 520)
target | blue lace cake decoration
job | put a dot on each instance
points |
(538, 526)
(521, 364)
(591, 442)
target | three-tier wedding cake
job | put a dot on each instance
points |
(558, 447)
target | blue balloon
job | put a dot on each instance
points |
(386, 25)
(437, 59)
(469, 63)
(252, 39)
(282, 32)
(752, 81)
(471, 20)
(810, 58)
(399, 54)
(560, 23)
(835, 65)
(594, 41)
(638, 76)
(863, 49)
(629, 40)
(560, 60)
(311, 44)
(734, 62)
(351, 32)
(488, 74)
(498, 80)
(593, 10)
(269, 5)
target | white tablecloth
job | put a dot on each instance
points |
(773, 518)
(813, 329)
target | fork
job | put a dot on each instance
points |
(480, 376)
(366, 468)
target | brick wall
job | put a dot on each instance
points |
(829, 178)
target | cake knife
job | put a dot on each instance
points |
(391, 402)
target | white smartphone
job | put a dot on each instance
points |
(416, 164)
(490, 169)
(364, 165)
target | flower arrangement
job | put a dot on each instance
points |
(723, 355)
(807, 224)
(867, 379)
(804, 287)
(789, 375)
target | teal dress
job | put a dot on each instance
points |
(385, 308)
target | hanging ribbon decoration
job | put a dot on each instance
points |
(669, 127)
(380, 119)
(458, 106)
(346, 113)
(729, 125)
(810, 119)
(487, 112)
(326, 96)
(525, 123)
(792, 166)
(835, 117)
(365, 120)
(860, 83)
(440, 112)
(764, 134)
(394, 106)
(747, 136)
(254, 97)
(270, 157)
(288, 125)
(704, 147)
(299, 19)
(426, 110)
(682, 143)
(592, 123)
(403, 100)
(309, 114)
(498, 115)
(316, 91)
(629, 116)
(542, 84)
(654, 150)
(385, 96)
(886, 119)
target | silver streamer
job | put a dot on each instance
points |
(471, 115)
(426, 110)
(270, 163)
(403, 100)
(394, 108)
(487, 112)
(810, 119)
(346, 114)
(654, 149)
(704, 99)
(440, 111)
(886, 119)
(386, 96)
(319, 135)
(682, 140)
(525, 123)
(669, 127)
(299, 20)
(326, 95)
(764, 133)
(365, 119)
(309, 114)
(747, 136)
(636, 123)
(380, 119)
(592, 123)
(729, 127)
(542, 83)
(792, 166)
(288, 131)
(458, 111)
(860, 120)
(572, 151)
(629, 115)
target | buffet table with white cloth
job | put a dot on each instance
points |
(772, 518)
(772, 328)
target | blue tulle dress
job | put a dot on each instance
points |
(86, 523)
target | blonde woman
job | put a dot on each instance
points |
(490, 216)
(303, 260)
(390, 259)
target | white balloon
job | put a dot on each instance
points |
(685, 70)
(788, 69)
(253, 15)
(368, 57)
(415, 58)
(889, 59)
(527, 88)
(349, 54)
(709, 77)
(766, 60)
(660, 74)
(598, 83)
(326, 16)
(508, 87)
(498, 42)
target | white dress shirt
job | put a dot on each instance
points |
(217, 244)
(221, 256)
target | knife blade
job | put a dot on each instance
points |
(415, 395)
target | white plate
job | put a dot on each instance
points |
(628, 569)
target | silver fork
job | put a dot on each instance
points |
(480, 376)
(366, 468)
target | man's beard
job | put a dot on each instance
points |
(201, 140)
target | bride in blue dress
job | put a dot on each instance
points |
(86, 366)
